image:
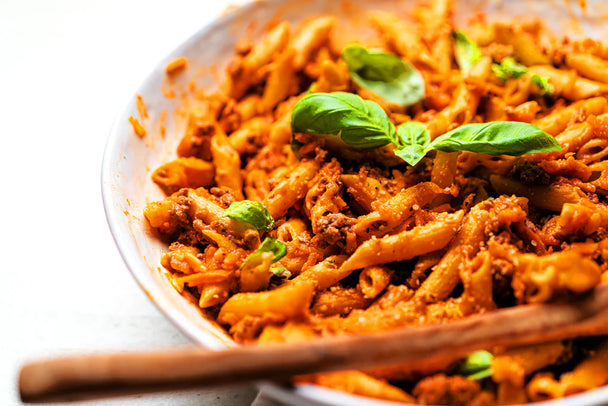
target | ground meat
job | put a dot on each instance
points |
(229, 119)
(225, 197)
(529, 173)
(197, 140)
(441, 389)
(335, 227)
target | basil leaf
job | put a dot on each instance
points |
(476, 365)
(385, 74)
(359, 123)
(281, 272)
(543, 83)
(412, 139)
(508, 68)
(496, 138)
(270, 244)
(465, 50)
(249, 211)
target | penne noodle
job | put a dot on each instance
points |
(287, 302)
(227, 164)
(569, 84)
(406, 244)
(445, 275)
(589, 66)
(309, 39)
(291, 189)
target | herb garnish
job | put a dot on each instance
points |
(543, 83)
(508, 68)
(465, 50)
(477, 365)
(385, 74)
(281, 272)
(496, 138)
(363, 124)
(467, 53)
(413, 139)
(359, 123)
(270, 244)
(252, 212)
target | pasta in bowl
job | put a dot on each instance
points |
(417, 171)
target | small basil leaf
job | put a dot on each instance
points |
(508, 68)
(484, 373)
(359, 123)
(476, 365)
(270, 244)
(385, 74)
(543, 83)
(412, 140)
(280, 272)
(496, 138)
(465, 50)
(249, 211)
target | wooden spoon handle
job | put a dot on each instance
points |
(96, 376)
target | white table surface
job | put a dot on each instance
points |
(66, 68)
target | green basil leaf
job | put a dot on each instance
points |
(496, 138)
(270, 244)
(385, 74)
(412, 140)
(359, 123)
(484, 373)
(508, 68)
(249, 211)
(280, 272)
(543, 83)
(476, 365)
(465, 50)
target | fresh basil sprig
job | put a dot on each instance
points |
(270, 244)
(252, 212)
(465, 50)
(314, 113)
(477, 365)
(385, 74)
(359, 123)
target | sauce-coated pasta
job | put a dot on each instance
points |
(355, 240)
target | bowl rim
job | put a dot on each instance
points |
(302, 394)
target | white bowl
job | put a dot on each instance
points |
(129, 160)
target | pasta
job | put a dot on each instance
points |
(284, 233)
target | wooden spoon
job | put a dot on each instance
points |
(95, 376)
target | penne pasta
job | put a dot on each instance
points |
(405, 245)
(395, 170)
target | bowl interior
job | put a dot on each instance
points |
(129, 160)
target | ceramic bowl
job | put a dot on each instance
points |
(128, 160)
